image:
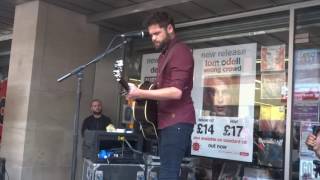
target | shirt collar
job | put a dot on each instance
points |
(169, 45)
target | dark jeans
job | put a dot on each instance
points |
(175, 142)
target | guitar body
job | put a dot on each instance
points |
(145, 113)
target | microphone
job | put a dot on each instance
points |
(135, 34)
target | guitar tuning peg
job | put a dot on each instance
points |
(119, 62)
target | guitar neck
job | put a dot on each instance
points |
(124, 84)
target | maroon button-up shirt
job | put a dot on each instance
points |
(177, 72)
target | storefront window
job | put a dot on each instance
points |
(240, 95)
(306, 127)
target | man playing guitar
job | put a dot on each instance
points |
(174, 82)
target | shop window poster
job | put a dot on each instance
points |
(273, 58)
(308, 112)
(307, 59)
(272, 85)
(270, 152)
(224, 102)
(307, 92)
(272, 119)
(307, 75)
(306, 129)
(149, 64)
(307, 168)
(309, 156)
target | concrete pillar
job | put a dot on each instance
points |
(48, 41)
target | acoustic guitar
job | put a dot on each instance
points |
(144, 111)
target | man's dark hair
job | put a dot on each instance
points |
(95, 100)
(161, 18)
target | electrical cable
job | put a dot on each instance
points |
(131, 148)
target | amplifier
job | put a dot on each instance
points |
(103, 171)
(149, 171)
(187, 170)
(95, 141)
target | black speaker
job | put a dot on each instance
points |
(99, 171)
(94, 141)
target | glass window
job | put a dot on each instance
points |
(240, 95)
(306, 127)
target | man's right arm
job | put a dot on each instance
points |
(157, 94)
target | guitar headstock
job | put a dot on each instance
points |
(117, 71)
(118, 68)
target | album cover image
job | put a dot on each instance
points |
(273, 58)
(272, 119)
(270, 152)
(272, 85)
(306, 128)
(230, 171)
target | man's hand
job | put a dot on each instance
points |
(134, 92)
(313, 142)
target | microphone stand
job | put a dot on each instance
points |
(78, 72)
(123, 56)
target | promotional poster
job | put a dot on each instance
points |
(149, 67)
(224, 102)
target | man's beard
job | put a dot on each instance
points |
(161, 46)
(97, 113)
(163, 43)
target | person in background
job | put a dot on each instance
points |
(174, 82)
(313, 141)
(96, 121)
